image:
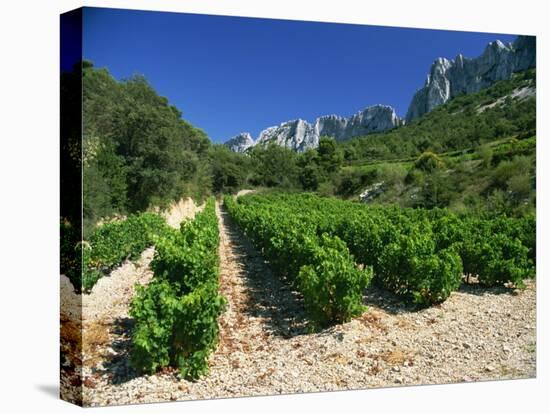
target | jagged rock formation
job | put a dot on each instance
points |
(240, 143)
(447, 79)
(450, 78)
(300, 135)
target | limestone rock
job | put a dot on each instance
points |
(240, 143)
(450, 78)
(300, 135)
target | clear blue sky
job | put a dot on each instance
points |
(230, 74)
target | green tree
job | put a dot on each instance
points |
(228, 169)
(274, 166)
(137, 149)
(330, 156)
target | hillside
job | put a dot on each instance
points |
(462, 75)
(505, 109)
(447, 79)
(130, 167)
(137, 150)
(350, 252)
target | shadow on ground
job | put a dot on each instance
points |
(117, 366)
(480, 290)
(268, 297)
(50, 390)
(378, 297)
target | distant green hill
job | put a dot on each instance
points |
(477, 153)
(508, 108)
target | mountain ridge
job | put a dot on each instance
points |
(445, 80)
(462, 75)
(300, 135)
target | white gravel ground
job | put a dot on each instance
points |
(477, 334)
(89, 322)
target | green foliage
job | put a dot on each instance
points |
(331, 283)
(463, 122)
(137, 151)
(320, 266)
(436, 191)
(88, 274)
(416, 253)
(112, 243)
(154, 309)
(349, 183)
(195, 331)
(506, 170)
(116, 241)
(429, 162)
(391, 174)
(499, 251)
(486, 154)
(229, 169)
(177, 313)
(330, 156)
(274, 166)
(411, 266)
(188, 252)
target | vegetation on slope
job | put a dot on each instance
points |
(137, 151)
(464, 122)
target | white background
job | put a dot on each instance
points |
(29, 191)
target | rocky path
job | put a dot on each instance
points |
(102, 317)
(477, 334)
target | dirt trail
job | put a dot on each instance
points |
(103, 314)
(477, 334)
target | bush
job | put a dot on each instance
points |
(173, 329)
(331, 283)
(428, 162)
(112, 243)
(497, 259)
(189, 252)
(154, 309)
(320, 266)
(520, 165)
(411, 267)
(177, 313)
(391, 174)
(195, 330)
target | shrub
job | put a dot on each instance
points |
(496, 259)
(154, 309)
(331, 283)
(112, 243)
(428, 162)
(195, 330)
(411, 268)
(320, 266)
(177, 313)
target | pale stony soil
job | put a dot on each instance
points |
(177, 212)
(518, 93)
(102, 312)
(244, 192)
(477, 334)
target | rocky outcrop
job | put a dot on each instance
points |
(300, 135)
(447, 79)
(450, 78)
(240, 143)
(373, 191)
